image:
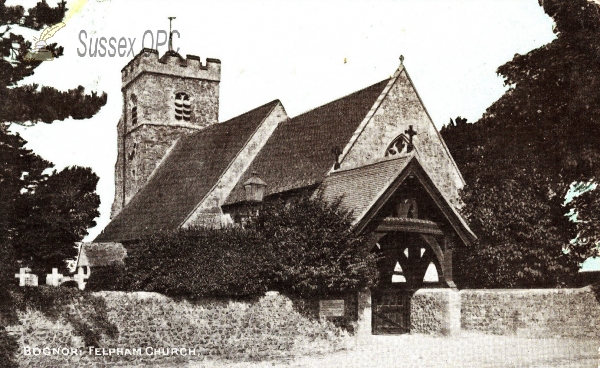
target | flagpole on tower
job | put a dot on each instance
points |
(170, 34)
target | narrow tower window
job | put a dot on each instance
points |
(183, 107)
(134, 119)
(134, 115)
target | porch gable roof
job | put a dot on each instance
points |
(366, 189)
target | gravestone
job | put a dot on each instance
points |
(32, 280)
(80, 278)
(26, 278)
(55, 278)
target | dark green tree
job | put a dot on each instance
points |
(42, 214)
(315, 250)
(520, 158)
(586, 208)
(20, 171)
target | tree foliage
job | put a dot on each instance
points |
(54, 216)
(520, 158)
(41, 214)
(587, 218)
(314, 247)
(28, 104)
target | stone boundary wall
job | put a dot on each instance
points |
(532, 312)
(265, 328)
(521, 312)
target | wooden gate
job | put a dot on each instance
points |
(391, 312)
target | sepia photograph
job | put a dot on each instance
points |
(286, 183)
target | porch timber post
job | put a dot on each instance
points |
(448, 248)
(444, 257)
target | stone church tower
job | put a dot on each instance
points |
(163, 100)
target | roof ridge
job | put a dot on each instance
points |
(393, 179)
(338, 99)
(210, 128)
(298, 152)
(250, 111)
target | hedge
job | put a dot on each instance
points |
(198, 263)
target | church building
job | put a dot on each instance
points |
(377, 149)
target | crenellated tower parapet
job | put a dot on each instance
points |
(147, 61)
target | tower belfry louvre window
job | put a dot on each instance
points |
(183, 107)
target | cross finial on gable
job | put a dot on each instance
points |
(410, 131)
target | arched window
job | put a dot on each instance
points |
(398, 146)
(183, 107)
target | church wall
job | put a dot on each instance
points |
(309, 307)
(435, 312)
(399, 109)
(228, 180)
(530, 313)
(118, 202)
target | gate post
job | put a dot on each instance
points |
(454, 310)
(436, 312)
(363, 327)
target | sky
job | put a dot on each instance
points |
(304, 53)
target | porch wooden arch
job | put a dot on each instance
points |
(440, 255)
